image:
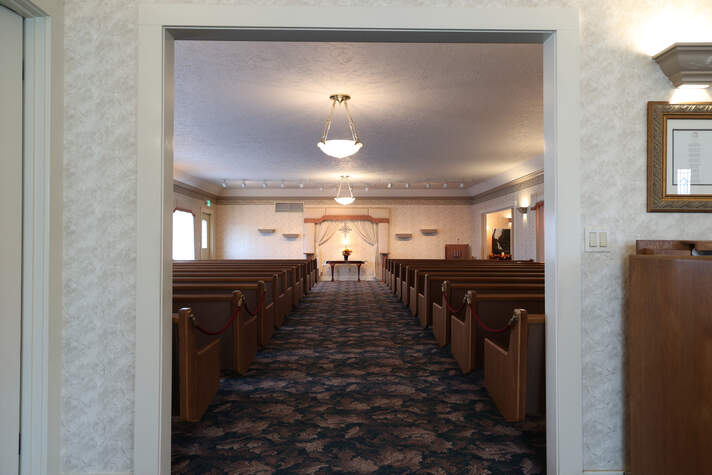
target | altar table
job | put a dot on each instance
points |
(356, 263)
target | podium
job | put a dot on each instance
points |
(670, 361)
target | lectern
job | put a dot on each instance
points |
(670, 362)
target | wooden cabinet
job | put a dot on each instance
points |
(670, 364)
(457, 251)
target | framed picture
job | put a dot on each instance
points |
(680, 157)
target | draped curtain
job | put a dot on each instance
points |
(324, 231)
(368, 231)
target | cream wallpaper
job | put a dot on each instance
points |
(453, 224)
(617, 79)
(237, 236)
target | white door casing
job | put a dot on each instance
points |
(11, 241)
(558, 31)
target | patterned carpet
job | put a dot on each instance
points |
(352, 384)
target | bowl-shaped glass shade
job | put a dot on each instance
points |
(340, 148)
(345, 200)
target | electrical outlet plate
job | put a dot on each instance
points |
(597, 240)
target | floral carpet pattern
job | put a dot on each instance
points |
(352, 384)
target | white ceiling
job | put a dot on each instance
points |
(425, 112)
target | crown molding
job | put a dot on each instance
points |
(522, 183)
(193, 191)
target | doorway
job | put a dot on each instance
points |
(11, 118)
(498, 235)
(557, 30)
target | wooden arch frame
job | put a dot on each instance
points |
(340, 217)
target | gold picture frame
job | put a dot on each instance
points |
(680, 157)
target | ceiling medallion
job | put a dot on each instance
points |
(344, 195)
(340, 148)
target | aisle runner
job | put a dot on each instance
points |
(351, 383)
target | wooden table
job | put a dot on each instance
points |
(356, 263)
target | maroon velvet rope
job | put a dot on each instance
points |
(484, 326)
(447, 304)
(227, 325)
(259, 306)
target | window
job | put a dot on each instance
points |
(183, 235)
(206, 236)
(204, 233)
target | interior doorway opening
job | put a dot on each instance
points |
(498, 237)
(557, 33)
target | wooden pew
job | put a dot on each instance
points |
(271, 287)
(239, 341)
(414, 274)
(513, 385)
(433, 286)
(196, 368)
(256, 297)
(495, 311)
(287, 284)
(298, 270)
(455, 291)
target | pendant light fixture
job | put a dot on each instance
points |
(344, 195)
(339, 148)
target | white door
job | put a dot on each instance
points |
(11, 238)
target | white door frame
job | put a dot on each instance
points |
(42, 233)
(152, 433)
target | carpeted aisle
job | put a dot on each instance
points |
(351, 383)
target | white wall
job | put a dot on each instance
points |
(524, 227)
(618, 77)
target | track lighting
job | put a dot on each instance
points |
(389, 185)
(427, 186)
(224, 184)
(407, 185)
(301, 185)
(264, 184)
(462, 185)
(444, 185)
(281, 185)
(243, 184)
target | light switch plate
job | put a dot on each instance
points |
(596, 240)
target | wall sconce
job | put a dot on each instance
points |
(523, 209)
(687, 65)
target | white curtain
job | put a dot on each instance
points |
(368, 231)
(324, 231)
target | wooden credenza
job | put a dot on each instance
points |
(670, 364)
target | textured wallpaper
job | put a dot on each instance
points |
(617, 79)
